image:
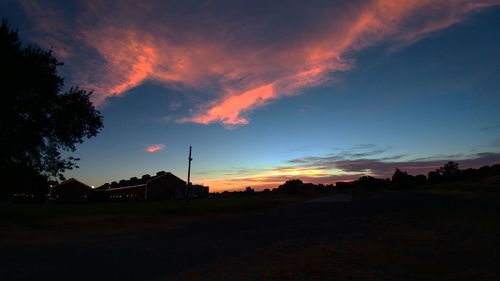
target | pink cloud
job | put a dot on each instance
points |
(155, 148)
(237, 61)
(228, 111)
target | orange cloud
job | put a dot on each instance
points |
(376, 21)
(236, 62)
(230, 109)
(155, 148)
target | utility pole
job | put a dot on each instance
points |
(189, 177)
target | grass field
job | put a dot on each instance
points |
(42, 215)
(436, 234)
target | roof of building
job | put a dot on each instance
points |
(134, 181)
(71, 181)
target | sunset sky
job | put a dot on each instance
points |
(267, 91)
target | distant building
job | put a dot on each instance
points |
(126, 193)
(164, 185)
(71, 190)
(198, 191)
(147, 188)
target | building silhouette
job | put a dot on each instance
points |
(72, 190)
(164, 185)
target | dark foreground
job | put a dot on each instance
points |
(378, 236)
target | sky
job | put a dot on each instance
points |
(266, 91)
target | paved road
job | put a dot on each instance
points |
(242, 246)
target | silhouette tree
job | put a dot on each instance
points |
(249, 190)
(37, 119)
(420, 179)
(371, 183)
(401, 179)
(434, 177)
(450, 170)
(290, 186)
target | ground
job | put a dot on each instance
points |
(392, 235)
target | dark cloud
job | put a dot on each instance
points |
(441, 156)
(491, 128)
(364, 146)
(384, 167)
(355, 152)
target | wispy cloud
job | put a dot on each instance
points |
(155, 148)
(491, 128)
(385, 166)
(229, 57)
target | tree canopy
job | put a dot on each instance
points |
(39, 118)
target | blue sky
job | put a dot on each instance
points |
(273, 93)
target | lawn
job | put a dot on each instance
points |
(42, 216)
(386, 235)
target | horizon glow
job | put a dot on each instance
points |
(324, 92)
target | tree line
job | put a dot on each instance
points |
(450, 172)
